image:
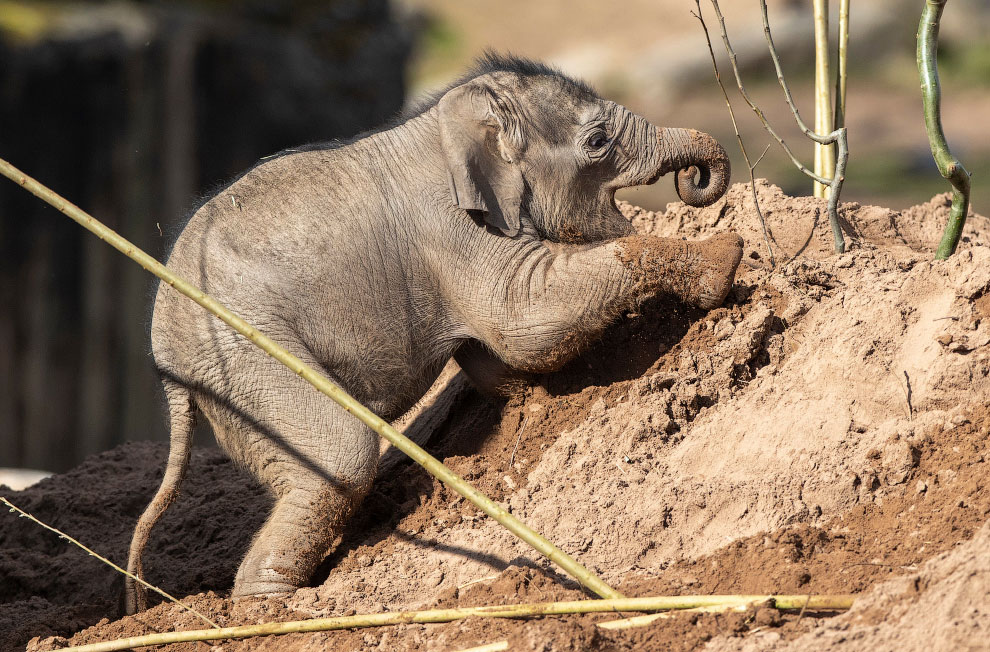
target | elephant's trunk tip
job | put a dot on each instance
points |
(704, 177)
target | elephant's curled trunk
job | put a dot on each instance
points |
(702, 165)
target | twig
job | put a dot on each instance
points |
(22, 514)
(907, 392)
(868, 563)
(476, 581)
(948, 165)
(765, 150)
(518, 437)
(432, 465)
(724, 602)
(735, 127)
(497, 646)
(803, 609)
(838, 136)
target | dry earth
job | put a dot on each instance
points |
(824, 431)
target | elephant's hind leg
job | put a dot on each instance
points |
(295, 539)
(318, 460)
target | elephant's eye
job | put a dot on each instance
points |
(597, 140)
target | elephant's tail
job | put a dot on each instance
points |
(182, 421)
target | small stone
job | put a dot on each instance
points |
(634, 475)
(434, 578)
(944, 340)
(767, 617)
(960, 346)
(724, 329)
(845, 261)
(37, 643)
(921, 487)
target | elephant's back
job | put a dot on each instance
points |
(310, 265)
(254, 246)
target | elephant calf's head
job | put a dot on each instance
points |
(524, 143)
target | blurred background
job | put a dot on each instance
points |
(133, 110)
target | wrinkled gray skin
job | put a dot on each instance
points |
(451, 234)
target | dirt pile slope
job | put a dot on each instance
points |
(825, 430)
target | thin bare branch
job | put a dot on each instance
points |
(735, 127)
(20, 512)
(765, 150)
(838, 136)
(756, 109)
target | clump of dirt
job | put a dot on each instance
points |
(822, 431)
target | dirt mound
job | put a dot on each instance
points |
(823, 431)
(940, 606)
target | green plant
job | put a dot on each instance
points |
(948, 165)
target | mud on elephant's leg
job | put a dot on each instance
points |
(698, 273)
(317, 460)
(295, 539)
(560, 302)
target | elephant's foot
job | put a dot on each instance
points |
(698, 273)
(287, 550)
(722, 253)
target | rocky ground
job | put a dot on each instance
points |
(823, 431)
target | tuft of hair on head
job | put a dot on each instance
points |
(491, 61)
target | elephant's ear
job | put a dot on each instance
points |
(476, 133)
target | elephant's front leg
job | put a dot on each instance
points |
(697, 273)
(563, 300)
(487, 372)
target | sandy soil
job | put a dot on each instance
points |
(823, 431)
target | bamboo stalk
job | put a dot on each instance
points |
(649, 619)
(662, 603)
(824, 153)
(497, 646)
(841, 75)
(948, 165)
(317, 380)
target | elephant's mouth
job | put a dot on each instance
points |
(652, 180)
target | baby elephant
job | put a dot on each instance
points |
(482, 226)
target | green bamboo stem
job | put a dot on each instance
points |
(824, 153)
(664, 603)
(21, 513)
(317, 380)
(948, 166)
